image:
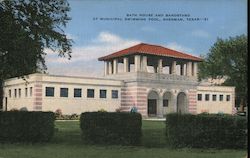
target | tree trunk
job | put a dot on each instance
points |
(1, 95)
(241, 105)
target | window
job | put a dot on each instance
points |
(221, 97)
(64, 92)
(9, 93)
(26, 92)
(103, 93)
(165, 102)
(214, 97)
(77, 92)
(30, 91)
(90, 93)
(199, 96)
(19, 92)
(49, 91)
(228, 98)
(15, 93)
(207, 97)
(114, 93)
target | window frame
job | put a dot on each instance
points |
(31, 91)
(19, 92)
(88, 93)
(26, 92)
(66, 92)
(50, 88)
(214, 99)
(9, 93)
(77, 96)
(199, 97)
(100, 94)
(207, 97)
(112, 94)
(165, 101)
(221, 97)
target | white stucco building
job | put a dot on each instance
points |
(154, 79)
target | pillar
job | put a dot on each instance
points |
(115, 66)
(182, 69)
(173, 67)
(189, 69)
(110, 67)
(125, 64)
(106, 68)
(160, 66)
(195, 69)
(144, 64)
(160, 107)
(137, 63)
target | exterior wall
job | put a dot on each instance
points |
(192, 101)
(70, 105)
(22, 101)
(38, 101)
(216, 106)
(134, 96)
(132, 89)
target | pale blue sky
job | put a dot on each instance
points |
(93, 39)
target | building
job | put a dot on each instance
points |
(154, 79)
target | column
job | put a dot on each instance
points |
(160, 107)
(115, 66)
(189, 69)
(160, 66)
(144, 64)
(110, 67)
(106, 71)
(125, 64)
(182, 69)
(173, 67)
(137, 63)
(195, 69)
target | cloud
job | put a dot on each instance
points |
(201, 33)
(104, 44)
(178, 47)
(71, 36)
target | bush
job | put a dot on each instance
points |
(206, 131)
(111, 128)
(24, 126)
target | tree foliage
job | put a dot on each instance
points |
(27, 28)
(227, 58)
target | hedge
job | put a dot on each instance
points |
(206, 131)
(24, 126)
(111, 128)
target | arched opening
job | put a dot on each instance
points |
(153, 99)
(168, 105)
(181, 103)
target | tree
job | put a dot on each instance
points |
(27, 28)
(228, 59)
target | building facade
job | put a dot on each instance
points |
(154, 79)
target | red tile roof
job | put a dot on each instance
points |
(143, 48)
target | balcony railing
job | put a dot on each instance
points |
(152, 76)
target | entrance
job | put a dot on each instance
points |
(182, 103)
(153, 101)
(152, 107)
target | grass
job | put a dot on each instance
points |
(67, 144)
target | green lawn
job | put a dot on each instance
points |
(67, 144)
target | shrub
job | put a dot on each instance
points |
(24, 126)
(206, 131)
(111, 128)
(58, 113)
